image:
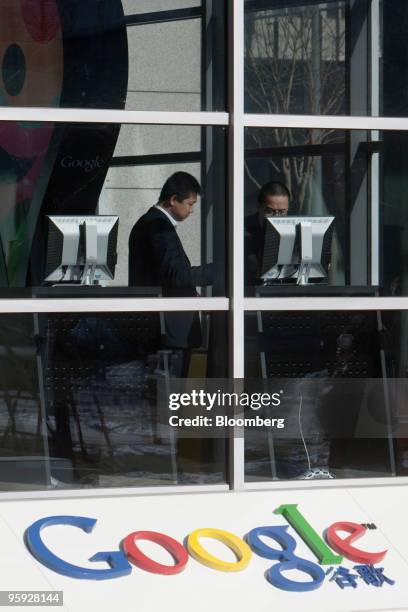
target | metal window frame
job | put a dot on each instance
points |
(240, 305)
(163, 16)
(97, 115)
(236, 304)
(100, 304)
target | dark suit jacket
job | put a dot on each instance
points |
(157, 259)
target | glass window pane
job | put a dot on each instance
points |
(78, 399)
(347, 189)
(120, 170)
(113, 54)
(337, 57)
(295, 57)
(342, 380)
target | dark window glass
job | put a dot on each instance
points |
(84, 169)
(326, 58)
(78, 399)
(345, 378)
(357, 178)
(113, 54)
(295, 57)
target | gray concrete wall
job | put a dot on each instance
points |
(165, 66)
(164, 75)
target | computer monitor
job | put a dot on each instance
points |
(81, 249)
(297, 249)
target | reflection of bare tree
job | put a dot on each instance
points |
(294, 64)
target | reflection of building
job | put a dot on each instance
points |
(145, 90)
(44, 51)
(296, 63)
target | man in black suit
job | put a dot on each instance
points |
(273, 200)
(157, 258)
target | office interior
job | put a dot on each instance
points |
(77, 405)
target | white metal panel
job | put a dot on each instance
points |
(90, 115)
(330, 303)
(376, 53)
(335, 483)
(336, 122)
(236, 189)
(114, 305)
(111, 492)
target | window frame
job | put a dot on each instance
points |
(235, 304)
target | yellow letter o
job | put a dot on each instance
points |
(236, 544)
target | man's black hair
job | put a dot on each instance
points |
(273, 188)
(181, 185)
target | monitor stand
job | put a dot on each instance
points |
(306, 253)
(303, 274)
(305, 271)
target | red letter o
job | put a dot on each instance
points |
(141, 560)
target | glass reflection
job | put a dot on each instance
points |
(115, 54)
(295, 58)
(78, 402)
(326, 58)
(357, 178)
(87, 170)
(352, 369)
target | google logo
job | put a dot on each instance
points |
(120, 561)
(84, 164)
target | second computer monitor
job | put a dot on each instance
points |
(81, 249)
(297, 249)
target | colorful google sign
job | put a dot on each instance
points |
(120, 561)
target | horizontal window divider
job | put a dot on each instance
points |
(337, 122)
(122, 161)
(338, 483)
(157, 17)
(325, 303)
(158, 304)
(313, 150)
(47, 494)
(97, 115)
(265, 5)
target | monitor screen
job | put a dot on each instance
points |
(81, 249)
